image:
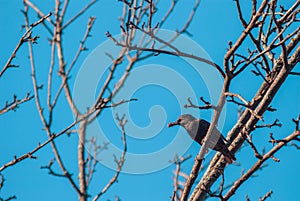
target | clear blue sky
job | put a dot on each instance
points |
(161, 85)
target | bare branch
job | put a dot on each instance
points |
(245, 103)
(249, 140)
(275, 123)
(178, 161)
(122, 122)
(253, 169)
(266, 196)
(82, 43)
(122, 101)
(81, 159)
(191, 17)
(92, 159)
(40, 146)
(176, 51)
(37, 10)
(79, 14)
(168, 13)
(296, 121)
(2, 180)
(40, 109)
(201, 154)
(51, 171)
(294, 73)
(61, 59)
(14, 104)
(243, 36)
(26, 36)
(261, 102)
(207, 104)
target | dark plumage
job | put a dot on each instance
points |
(197, 129)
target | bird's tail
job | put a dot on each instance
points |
(229, 156)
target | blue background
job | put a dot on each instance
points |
(213, 26)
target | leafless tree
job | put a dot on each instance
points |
(271, 28)
(55, 23)
(274, 53)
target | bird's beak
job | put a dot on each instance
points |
(173, 123)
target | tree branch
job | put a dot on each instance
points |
(122, 122)
(258, 164)
(26, 36)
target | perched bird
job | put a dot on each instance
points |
(197, 129)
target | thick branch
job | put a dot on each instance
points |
(247, 122)
(200, 156)
(81, 160)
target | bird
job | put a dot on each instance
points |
(197, 130)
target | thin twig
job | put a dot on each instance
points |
(275, 123)
(30, 154)
(258, 164)
(122, 122)
(79, 14)
(40, 110)
(245, 103)
(266, 196)
(14, 104)
(205, 107)
(176, 51)
(26, 36)
(178, 161)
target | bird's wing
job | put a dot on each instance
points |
(216, 135)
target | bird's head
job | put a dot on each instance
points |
(182, 120)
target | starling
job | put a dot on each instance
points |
(197, 129)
